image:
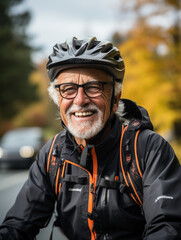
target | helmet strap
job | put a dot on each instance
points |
(109, 120)
(112, 100)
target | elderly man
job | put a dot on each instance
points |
(111, 176)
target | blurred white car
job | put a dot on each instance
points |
(18, 148)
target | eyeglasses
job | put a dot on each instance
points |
(91, 89)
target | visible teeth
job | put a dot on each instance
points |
(82, 114)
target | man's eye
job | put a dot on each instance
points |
(93, 88)
(68, 89)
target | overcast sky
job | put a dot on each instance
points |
(58, 20)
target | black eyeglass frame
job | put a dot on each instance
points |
(83, 86)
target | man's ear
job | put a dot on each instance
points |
(116, 102)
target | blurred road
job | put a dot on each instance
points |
(11, 182)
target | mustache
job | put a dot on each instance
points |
(76, 108)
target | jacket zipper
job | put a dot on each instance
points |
(92, 184)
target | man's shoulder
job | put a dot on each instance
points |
(153, 147)
(151, 137)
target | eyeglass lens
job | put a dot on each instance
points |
(91, 89)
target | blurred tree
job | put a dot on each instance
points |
(164, 13)
(118, 38)
(15, 53)
(152, 54)
(43, 113)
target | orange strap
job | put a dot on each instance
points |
(136, 155)
(50, 152)
(121, 161)
(137, 163)
(140, 202)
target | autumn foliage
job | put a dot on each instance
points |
(152, 55)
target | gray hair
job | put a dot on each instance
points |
(53, 93)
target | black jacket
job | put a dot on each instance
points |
(88, 211)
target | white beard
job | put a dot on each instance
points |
(87, 129)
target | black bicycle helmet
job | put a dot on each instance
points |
(86, 53)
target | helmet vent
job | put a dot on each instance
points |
(77, 46)
(117, 57)
(107, 48)
(76, 43)
(81, 50)
(64, 46)
(95, 52)
(93, 43)
(55, 49)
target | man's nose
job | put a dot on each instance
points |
(81, 98)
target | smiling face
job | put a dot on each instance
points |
(83, 116)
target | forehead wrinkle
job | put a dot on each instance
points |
(93, 80)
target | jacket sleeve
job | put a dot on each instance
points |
(34, 205)
(161, 189)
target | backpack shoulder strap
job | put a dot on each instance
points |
(54, 158)
(130, 164)
(53, 167)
